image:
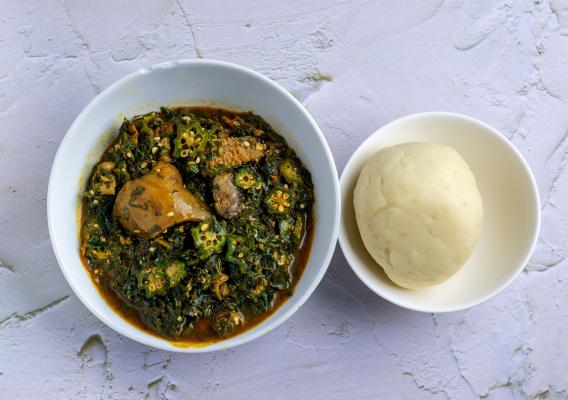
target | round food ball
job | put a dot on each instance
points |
(419, 212)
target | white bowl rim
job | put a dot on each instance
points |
(346, 246)
(254, 332)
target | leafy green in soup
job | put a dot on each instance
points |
(196, 222)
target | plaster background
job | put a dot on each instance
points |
(356, 65)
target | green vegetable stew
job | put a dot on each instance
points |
(196, 222)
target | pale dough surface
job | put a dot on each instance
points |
(419, 212)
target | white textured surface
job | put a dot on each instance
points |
(356, 65)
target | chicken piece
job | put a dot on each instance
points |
(232, 152)
(156, 201)
(226, 196)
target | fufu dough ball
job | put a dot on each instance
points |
(419, 212)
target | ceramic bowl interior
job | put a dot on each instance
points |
(511, 212)
(185, 82)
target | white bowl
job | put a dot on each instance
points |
(187, 82)
(511, 212)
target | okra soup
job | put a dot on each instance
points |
(196, 223)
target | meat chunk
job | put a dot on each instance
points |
(233, 152)
(226, 196)
(156, 201)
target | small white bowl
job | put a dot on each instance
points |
(187, 82)
(511, 212)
